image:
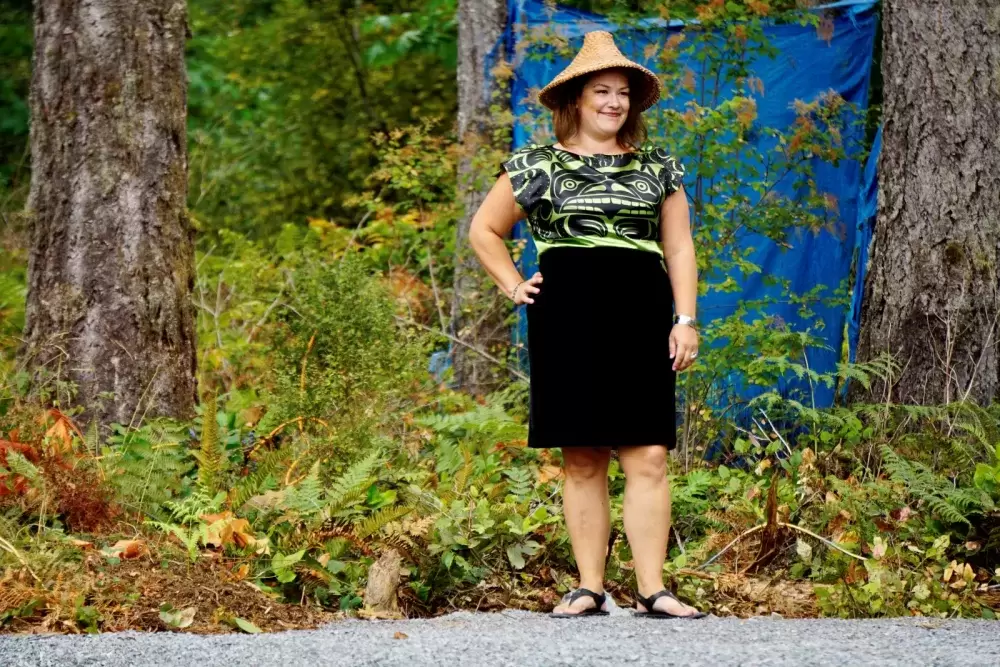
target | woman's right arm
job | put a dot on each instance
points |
(490, 226)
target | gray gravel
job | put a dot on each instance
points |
(525, 638)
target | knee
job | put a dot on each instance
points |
(645, 464)
(586, 464)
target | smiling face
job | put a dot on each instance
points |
(600, 107)
(603, 104)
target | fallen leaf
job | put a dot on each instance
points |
(548, 473)
(400, 635)
(266, 501)
(82, 544)
(60, 434)
(804, 550)
(878, 550)
(128, 549)
(224, 528)
(177, 618)
(246, 626)
(901, 515)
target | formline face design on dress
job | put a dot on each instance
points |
(593, 200)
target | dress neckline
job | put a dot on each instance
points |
(583, 156)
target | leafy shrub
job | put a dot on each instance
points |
(339, 360)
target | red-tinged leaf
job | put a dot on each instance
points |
(128, 549)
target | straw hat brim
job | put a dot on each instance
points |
(599, 53)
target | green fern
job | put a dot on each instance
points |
(19, 465)
(980, 425)
(351, 486)
(92, 441)
(190, 538)
(374, 522)
(306, 497)
(949, 502)
(210, 455)
(263, 479)
(190, 510)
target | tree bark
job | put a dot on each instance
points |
(111, 267)
(931, 297)
(477, 316)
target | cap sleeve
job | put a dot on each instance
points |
(671, 174)
(528, 169)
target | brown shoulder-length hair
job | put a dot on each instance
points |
(565, 119)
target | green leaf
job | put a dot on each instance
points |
(245, 625)
(283, 562)
(515, 556)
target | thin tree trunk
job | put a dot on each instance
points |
(931, 297)
(111, 267)
(477, 317)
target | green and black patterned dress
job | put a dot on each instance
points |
(598, 331)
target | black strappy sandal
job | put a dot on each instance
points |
(598, 598)
(656, 613)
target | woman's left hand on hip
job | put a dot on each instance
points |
(683, 346)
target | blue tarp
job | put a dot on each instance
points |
(806, 66)
(867, 208)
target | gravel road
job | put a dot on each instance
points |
(525, 638)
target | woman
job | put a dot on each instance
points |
(609, 222)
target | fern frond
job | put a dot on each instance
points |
(373, 523)
(352, 485)
(210, 455)
(482, 480)
(304, 498)
(460, 483)
(949, 502)
(19, 465)
(263, 479)
(190, 510)
(93, 440)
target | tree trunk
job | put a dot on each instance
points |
(931, 298)
(111, 267)
(478, 310)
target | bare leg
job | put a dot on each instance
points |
(647, 520)
(588, 519)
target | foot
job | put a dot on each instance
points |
(669, 605)
(582, 603)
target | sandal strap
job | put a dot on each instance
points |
(598, 598)
(648, 602)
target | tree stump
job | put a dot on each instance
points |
(381, 600)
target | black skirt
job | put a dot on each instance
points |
(599, 351)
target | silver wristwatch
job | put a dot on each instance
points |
(686, 319)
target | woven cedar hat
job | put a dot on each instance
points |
(599, 52)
